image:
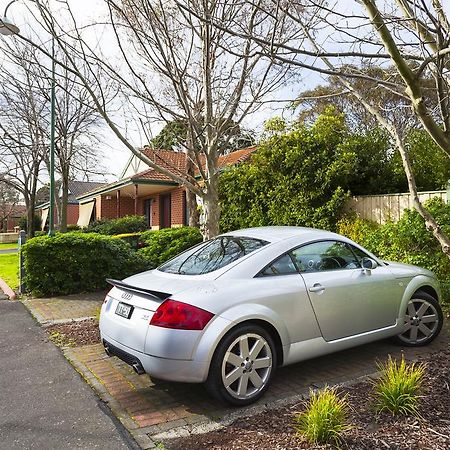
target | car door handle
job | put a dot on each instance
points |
(316, 287)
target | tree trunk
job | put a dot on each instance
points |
(30, 216)
(191, 197)
(211, 209)
(194, 214)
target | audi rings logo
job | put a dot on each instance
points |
(126, 295)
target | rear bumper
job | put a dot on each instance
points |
(187, 371)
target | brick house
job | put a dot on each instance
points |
(76, 188)
(11, 215)
(144, 191)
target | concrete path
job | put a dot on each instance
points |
(8, 250)
(44, 403)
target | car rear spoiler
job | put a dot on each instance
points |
(154, 295)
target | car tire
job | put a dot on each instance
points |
(242, 366)
(423, 321)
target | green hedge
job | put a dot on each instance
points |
(407, 240)
(164, 244)
(76, 262)
(127, 224)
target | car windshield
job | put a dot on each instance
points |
(213, 255)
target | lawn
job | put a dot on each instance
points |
(9, 268)
(8, 246)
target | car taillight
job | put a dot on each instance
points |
(181, 316)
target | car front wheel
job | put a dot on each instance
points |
(242, 366)
(423, 321)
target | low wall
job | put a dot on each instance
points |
(8, 238)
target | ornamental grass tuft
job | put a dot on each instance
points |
(325, 417)
(397, 389)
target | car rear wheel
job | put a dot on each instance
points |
(423, 321)
(242, 366)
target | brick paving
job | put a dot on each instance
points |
(65, 308)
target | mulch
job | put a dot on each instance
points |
(274, 429)
(75, 333)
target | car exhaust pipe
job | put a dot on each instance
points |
(138, 368)
(107, 351)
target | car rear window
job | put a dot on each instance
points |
(213, 255)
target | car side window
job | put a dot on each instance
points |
(325, 255)
(358, 253)
(281, 266)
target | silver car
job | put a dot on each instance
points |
(229, 311)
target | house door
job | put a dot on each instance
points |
(165, 201)
(148, 211)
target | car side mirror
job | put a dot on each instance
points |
(369, 263)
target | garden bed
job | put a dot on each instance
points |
(74, 334)
(274, 429)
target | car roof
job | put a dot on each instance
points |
(280, 233)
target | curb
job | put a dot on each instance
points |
(7, 290)
(49, 323)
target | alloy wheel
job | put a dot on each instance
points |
(246, 366)
(421, 322)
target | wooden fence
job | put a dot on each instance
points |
(382, 208)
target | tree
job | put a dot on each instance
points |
(381, 169)
(22, 130)
(394, 107)
(77, 143)
(25, 84)
(9, 198)
(412, 35)
(174, 137)
(174, 65)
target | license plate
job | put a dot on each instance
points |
(124, 310)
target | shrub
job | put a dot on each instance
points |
(76, 262)
(127, 224)
(297, 177)
(325, 418)
(164, 244)
(134, 239)
(407, 240)
(73, 227)
(397, 389)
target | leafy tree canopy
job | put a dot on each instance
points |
(174, 135)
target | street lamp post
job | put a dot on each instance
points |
(8, 28)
